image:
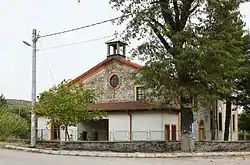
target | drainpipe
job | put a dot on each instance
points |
(130, 126)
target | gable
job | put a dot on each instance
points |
(103, 64)
(100, 81)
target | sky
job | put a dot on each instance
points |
(18, 18)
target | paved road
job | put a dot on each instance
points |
(22, 158)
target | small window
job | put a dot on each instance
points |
(140, 93)
(220, 121)
(114, 81)
(233, 122)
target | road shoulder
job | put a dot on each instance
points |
(127, 155)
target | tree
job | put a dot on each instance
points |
(12, 126)
(243, 96)
(66, 105)
(186, 53)
(20, 107)
(223, 36)
(2, 100)
(244, 120)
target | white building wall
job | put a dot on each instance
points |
(171, 118)
(205, 115)
(73, 135)
(43, 128)
(119, 126)
(145, 125)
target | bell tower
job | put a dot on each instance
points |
(116, 48)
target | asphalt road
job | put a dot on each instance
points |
(9, 157)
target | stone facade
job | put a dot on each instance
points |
(144, 146)
(99, 81)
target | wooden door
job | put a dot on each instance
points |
(55, 132)
(201, 130)
(167, 132)
(173, 132)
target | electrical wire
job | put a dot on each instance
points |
(50, 72)
(76, 43)
(83, 27)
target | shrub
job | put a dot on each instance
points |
(12, 126)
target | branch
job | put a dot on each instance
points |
(166, 13)
(177, 14)
(161, 38)
(186, 11)
(157, 23)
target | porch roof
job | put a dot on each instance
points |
(124, 106)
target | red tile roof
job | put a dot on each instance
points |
(105, 62)
(125, 106)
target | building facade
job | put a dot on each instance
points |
(129, 116)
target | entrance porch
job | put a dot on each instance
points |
(94, 130)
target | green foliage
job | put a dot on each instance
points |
(2, 100)
(244, 120)
(67, 105)
(20, 107)
(243, 84)
(190, 47)
(12, 126)
(196, 44)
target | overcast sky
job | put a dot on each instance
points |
(18, 18)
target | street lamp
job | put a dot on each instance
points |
(26, 43)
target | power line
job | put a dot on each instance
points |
(50, 72)
(76, 43)
(83, 27)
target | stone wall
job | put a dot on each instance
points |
(100, 82)
(144, 146)
(222, 146)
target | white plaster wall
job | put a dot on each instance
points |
(233, 135)
(171, 118)
(147, 126)
(118, 126)
(72, 133)
(205, 115)
(43, 128)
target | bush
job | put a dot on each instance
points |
(12, 126)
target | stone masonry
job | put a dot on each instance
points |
(145, 146)
(100, 82)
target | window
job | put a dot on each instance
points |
(114, 81)
(167, 132)
(233, 122)
(173, 131)
(140, 93)
(220, 121)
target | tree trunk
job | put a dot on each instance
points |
(214, 121)
(228, 119)
(67, 133)
(187, 143)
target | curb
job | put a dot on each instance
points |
(128, 155)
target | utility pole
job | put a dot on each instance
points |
(33, 90)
